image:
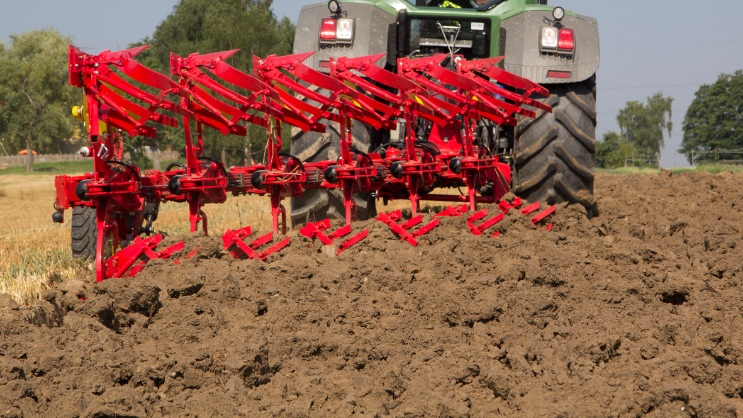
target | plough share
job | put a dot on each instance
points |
(124, 98)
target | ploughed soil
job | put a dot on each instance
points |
(635, 312)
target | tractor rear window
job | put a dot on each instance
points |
(470, 38)
(441, 3)
(480, 5)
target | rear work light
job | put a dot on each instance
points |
(557, 40)
(345, 30)
(566, 40)
(336, 31)
(549, 38)
(327, 30)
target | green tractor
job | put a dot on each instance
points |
(551, 156)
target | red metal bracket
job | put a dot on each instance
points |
(233, 242)
(316, 230)
(402, 229)
(453, 211)
(480, 229)
(121, 264)
(542, 215)
(539, 216)
(505, 207)
(189, 256)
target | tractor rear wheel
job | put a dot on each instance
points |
(554, 152)
(315, 205)
(84, 233)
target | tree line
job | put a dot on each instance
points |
(640, 136)
(713, 127)
(36, 98)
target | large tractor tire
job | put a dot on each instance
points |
(315, 205)
(554, 152)
(84, 233)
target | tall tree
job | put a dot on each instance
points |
(643, 124)
(613, 151)
(35, 97)
(714, 120)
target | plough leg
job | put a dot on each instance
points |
(195, 202)
(101, 219)
(414, 197)
(472, 198)
(348, 201)
(277, 209)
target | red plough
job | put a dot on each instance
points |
(402, 230)
(123, 97)
(235, 244)
(140, 251)
(317, 230)
(505, 207)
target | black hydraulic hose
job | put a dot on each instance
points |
(286, 155)
(429, 146)
(218, 163)
(399, 145)
(175, 164)
(363, 154)
(128, 167)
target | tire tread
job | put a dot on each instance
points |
(84, 233)
(554, 153)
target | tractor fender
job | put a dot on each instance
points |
(523, 56)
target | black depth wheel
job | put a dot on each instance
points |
(84, 233)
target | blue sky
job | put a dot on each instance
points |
(672, 46)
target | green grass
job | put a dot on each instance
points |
(714, 169)
(628, 170)
(64, 167)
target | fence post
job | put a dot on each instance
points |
(29, 158)
(156, 158)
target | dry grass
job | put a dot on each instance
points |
(35, 252)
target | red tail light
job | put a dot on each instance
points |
(566, 40)
(327, 30)
(558, 74)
